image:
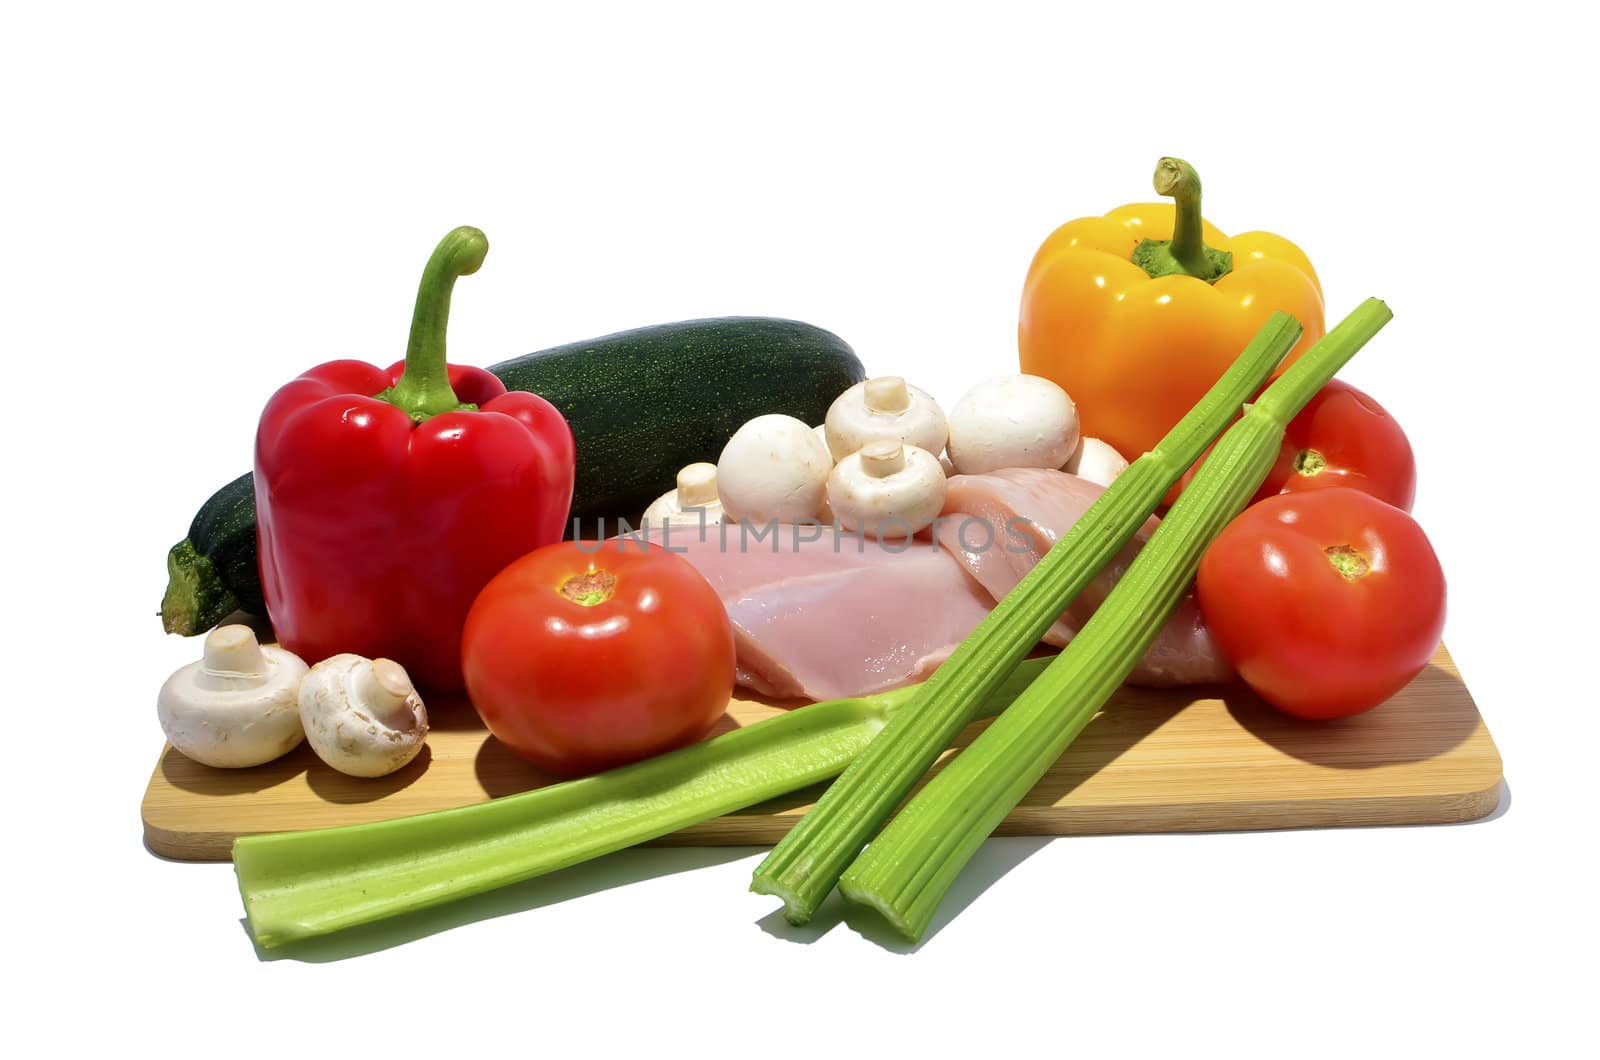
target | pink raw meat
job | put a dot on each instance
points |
(819, 614)
(1026, 510)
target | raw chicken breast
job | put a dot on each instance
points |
(821, 614)
(1001, 523)
(818, 613)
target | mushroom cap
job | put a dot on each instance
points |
(773, 470)
(824, 512)
(1012, 421)
(887, 490)
(237, 706)
(1096, 461)
(821, 431)
(362, 716)
(885, 408)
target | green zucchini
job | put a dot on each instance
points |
(212, 572)
(641, 405)
(644, 403)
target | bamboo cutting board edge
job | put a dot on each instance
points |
(1154, 761)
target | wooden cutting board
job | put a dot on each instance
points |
(1152, 761)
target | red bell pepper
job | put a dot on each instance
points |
(386, 498)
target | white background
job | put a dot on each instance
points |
(202, 201)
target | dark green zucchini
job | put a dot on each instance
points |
(641, 405)
(212, 572)
(644, 403)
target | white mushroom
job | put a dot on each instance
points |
(884, 409)
(825, 513)
(821, 431)
(1096, 461)
(236, 707)
(362, 716)
(887, 489)
(1012, 421)
(693, 503)
(773, 470)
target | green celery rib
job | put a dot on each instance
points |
(804, 867)
(907, 870)
(297, 885)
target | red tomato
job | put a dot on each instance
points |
(583, 658)
(1341, 438)
(1327, 602)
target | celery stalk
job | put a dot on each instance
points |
(907, 869)
(804, 867)
(297, 885)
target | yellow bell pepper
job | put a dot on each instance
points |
(1137, 313)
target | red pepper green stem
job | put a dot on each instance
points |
(423, 388)
(1186, 253)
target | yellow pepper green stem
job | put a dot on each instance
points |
(1186, 253)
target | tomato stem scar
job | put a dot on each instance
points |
(1309, 462)
(590, 588)
(1348, 561)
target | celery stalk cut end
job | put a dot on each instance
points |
(795, 910)
(857, 894)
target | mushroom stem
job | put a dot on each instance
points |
(887, 393)
(385, 687)
(882, 459)
(232, 659)
(697, 485)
